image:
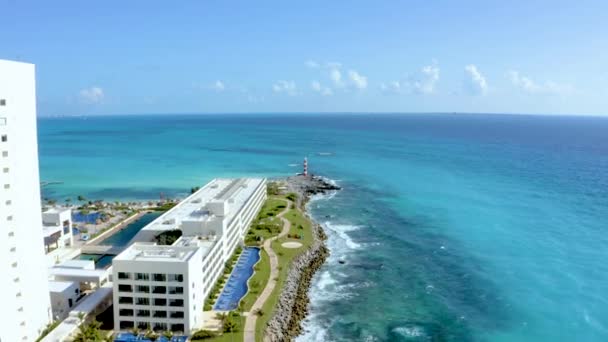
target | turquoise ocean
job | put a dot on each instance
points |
(450, 227)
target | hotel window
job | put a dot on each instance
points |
(142, 325)
(124, 275)
(176, 277)
(8, 202)
(5, 153)
(176, 314)
(143, 313)
(5, 170)
(125, 300)
(143, 289)
(159, 277)
(160, 302)
(9, 218)
(176, 302)
(142, 276)
(176, 290)
(2, 102)
(125, 288)
(7, 186)
(4, 138)
(160, 326)
(11, 234)
(160, 314)
(159, 289)
(142, 301)
(126, 312)
(177, 327)
(126, 324)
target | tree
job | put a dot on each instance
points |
(88, 332)
(229, 325)
(81, 198)
(194, 189)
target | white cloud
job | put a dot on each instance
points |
(358, 80)
(422, 82)
(529, 86)
(287, 87)
(319, 88)
(392, 87)
(476, 83)
(219, 86)
(336, 76)
(312, 64)
(93, 95)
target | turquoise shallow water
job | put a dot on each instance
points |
(451, 227)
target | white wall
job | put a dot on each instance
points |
(60, 301)
(26, 307)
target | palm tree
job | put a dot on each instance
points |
(81, 198)
(88, 332)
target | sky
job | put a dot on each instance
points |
(136, 57)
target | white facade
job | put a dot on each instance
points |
(26, 306)
(164, 287)
(64, 296)
(57, 229)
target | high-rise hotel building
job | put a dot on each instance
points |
(26, 307)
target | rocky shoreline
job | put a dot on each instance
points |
(292, 306)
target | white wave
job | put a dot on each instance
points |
(312, 333)
(412, 331)
(341, 230)
(293, 165)
(324, 281)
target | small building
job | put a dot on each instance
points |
(64, 296)
(57, 229)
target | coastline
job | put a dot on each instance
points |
(293, 304)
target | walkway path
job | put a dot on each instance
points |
(249, 332)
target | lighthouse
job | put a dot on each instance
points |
(305, 170)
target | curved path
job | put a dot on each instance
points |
(249, 331)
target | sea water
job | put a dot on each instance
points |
(448, 228)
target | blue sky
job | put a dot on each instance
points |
(133, 57)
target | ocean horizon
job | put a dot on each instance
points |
(449, 227)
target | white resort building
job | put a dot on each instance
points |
(164, 286)
(26, 306)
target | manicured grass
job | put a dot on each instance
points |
(236, 336)
(259, 278)
(266, 224)
(286, 256)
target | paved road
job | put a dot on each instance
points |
(249, 333)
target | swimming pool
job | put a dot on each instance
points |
(102, 261)
(236, 287)
(128, 337)
(123, 236)
(86, 218)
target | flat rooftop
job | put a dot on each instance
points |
(146, 252)
(60, 286)
(235, 191)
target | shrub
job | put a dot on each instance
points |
(202, 335)
(230, 325)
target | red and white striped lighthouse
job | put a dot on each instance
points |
(305, 171)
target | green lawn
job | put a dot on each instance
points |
(236, 336)
(286, 255)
